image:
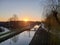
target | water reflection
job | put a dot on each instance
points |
(23, 38)
(15, 39)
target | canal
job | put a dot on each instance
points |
(23, 38)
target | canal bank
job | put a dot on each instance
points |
(42, 37)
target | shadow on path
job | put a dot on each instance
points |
(42, 37)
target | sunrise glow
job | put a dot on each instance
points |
(26, 19)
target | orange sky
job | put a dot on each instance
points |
(23, 19)
(30, 9)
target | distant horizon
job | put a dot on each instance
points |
(23, 21)
(34, 10)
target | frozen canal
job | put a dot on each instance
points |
(23, 38)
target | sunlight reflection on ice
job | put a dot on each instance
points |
(21, 39)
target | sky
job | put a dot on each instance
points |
(33, 10)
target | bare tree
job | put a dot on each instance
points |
(13, 21)
(54, 11)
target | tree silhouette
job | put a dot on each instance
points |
(14, 22)
(52, 17)
(55, 12)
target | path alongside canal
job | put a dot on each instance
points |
(42, 37)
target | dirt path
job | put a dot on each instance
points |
(42, 37)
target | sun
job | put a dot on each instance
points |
(26, 19)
